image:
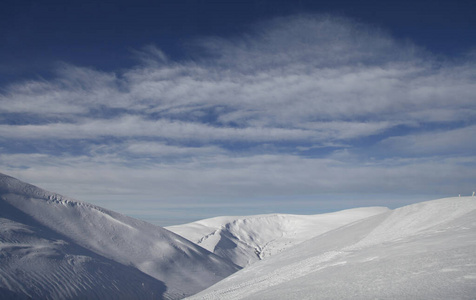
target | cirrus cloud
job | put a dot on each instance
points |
(298, 105)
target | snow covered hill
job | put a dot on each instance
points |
(420, 251)
(57, 248)
(38, 263)
(245, 240)
(52, 247)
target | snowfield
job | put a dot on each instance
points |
(420, 251)
(55, 247)
(245, 240)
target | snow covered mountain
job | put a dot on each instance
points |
(420, 251)
(57, 248)
(245, 240)
(53, 247)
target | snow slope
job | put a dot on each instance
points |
(55, 247)
(420, 251)
(245, 240)
(39, 263)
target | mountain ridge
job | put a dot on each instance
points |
(55, 247)
(247, 239)
(150, 249)
(420, 251)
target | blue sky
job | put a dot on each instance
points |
(175, 112)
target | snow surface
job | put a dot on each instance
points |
(420, 251)
(53, 247)
(247, 239)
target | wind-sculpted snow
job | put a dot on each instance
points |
(421, 251)
(38, 263)
(245, 240)
(54, 247)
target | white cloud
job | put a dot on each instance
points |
(230, 176)
(305, 41)
(151, 55)
(161, 149)
(236, 122)
(448, 142)
(135, 126)
(369, 77)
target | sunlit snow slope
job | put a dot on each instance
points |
(58, 248)
(245, 240)
(420, 251)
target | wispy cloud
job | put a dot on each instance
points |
(135, 126)
(452, 142)
(297, 105)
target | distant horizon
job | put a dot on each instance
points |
(180, 216)
(180, 112)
